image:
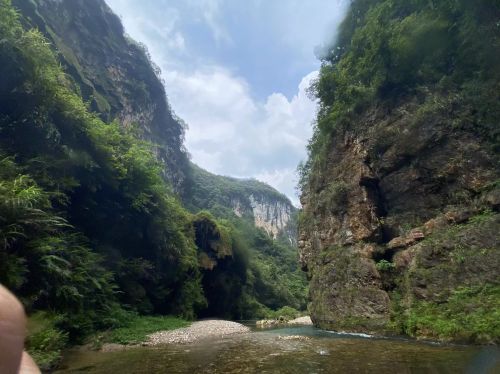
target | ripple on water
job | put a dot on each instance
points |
(264, 352)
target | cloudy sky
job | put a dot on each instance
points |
(236, 71)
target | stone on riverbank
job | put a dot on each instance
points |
(266, 323)
(197, 331)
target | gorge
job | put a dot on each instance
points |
(107, 225)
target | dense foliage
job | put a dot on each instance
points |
(444, 54)
(268, 269)
(205, 190)
(91, 234)
(87, 220)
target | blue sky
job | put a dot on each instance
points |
(236, 71)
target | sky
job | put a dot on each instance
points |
(237, 72)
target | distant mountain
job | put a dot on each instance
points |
(243, 198)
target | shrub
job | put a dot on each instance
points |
(45, 341)
(384, 265)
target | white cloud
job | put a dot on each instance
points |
(283, 180)
(230, 131)
(210, 9)
(232, 134)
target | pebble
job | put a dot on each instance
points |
(197, 331)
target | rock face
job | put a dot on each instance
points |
(117, 77)
(413, 206)
(400, 221)
(112, 72)
(247, 199)
(271, 215)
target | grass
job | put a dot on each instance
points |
(471, 315)
(139, 327)
(285, 313)
(45, 341)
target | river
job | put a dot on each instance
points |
(302, 350)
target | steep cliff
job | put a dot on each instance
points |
(264, 222)
(91, 231)
(81, 111)
(117, 77)
(112, 72)
(246, 199)
(399, 228)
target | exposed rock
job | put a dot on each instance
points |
(492, 199)
(401, 187)
(267, 323)
(404, 241)
(400, 242)
(197, 331)
(294, 337)
(245, 198)
(435, 224)
(300, 321)
(272, 216)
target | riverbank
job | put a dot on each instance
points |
(197, 331)
(295, 349)
(267, 323)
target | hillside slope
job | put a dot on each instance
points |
(82, 113)
(92, 228)
(112, 72)
(243, 198)
(400, 222)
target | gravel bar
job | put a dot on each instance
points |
(197, 331)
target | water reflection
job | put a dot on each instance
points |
(269, 352)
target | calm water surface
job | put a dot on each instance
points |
(266, 352)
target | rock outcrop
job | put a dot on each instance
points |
(271, 215)
(400, 221)
(414, 207)
(117, 77)
(246, 199)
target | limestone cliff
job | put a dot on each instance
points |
(400, 221)
(112, 72)
(246, 199)
(270, 214)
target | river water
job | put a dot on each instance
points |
(269, 351)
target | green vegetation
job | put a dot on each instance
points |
(137, 328)
(45, 340)
(93, 239)
(333, 198)
(272, 278)
(384, 265)
(88, 225)
(460, 300)
(409, 98)
(216, 193)
(73, 194)
(471, 314)
(286, 313)
(441, 54)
